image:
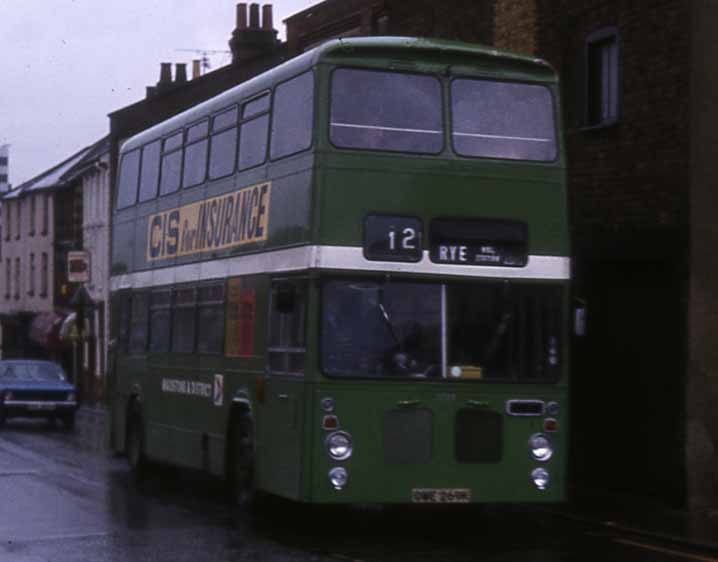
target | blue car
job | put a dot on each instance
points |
(30, 388)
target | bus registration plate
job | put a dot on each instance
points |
(441, 495)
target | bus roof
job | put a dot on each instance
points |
(343, 49)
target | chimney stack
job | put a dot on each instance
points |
(242, 16)
(180, 73)
(254, 16)
(196, 69)
(267, 23)
(165, 73)
(252, 38)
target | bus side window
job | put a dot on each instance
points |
(293, 116)
(210, 338)
(195, 154)
(223, 145)
(138, 324)
(150, 173)
(254, 133)
(171, 165)
(129, 175)
(184, 320)
(286, 327)
(160, 318)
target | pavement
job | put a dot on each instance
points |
(696, 529)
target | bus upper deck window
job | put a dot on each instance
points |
(293, 116)
(195, 155)
(223, 147)
(386, 111)
(171, 164)
(129, 174)
(150, 173)
(254, 133)
(503, 120)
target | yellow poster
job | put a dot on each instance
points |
(232, 219)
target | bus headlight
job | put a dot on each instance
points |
(540, 447)
(540, 477)
(338, 476)
(339, 445)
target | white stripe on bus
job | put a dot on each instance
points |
(392, 129)
(500, 137)
(337, 258)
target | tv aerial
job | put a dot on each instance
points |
(204, 56)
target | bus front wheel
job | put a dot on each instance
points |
(241, 463)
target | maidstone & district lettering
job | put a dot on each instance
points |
(222, 222)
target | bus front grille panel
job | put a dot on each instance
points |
(478, 436)
(408, 436)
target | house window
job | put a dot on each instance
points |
(8, 278)
(18, 219)
(17, 278)
(602, 74)
(43, 278)
(45, 213)
(31, 290)
(8, 221)
(32, 216)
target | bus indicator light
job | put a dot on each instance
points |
(328, 404)
(330, 422)
(550, 425)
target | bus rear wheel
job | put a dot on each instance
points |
(241, 465)
(135, 444)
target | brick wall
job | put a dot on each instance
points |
(463, 20)
(633, 175)
(515, 26)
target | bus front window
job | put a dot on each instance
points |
(493, 331)
(381, 329)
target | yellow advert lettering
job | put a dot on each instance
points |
(230, 220)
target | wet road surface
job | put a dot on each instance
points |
(61, 502)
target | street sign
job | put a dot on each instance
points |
(78, 267)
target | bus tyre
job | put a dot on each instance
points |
(241, 467)
(135, 445)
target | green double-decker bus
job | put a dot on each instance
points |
(346, 280)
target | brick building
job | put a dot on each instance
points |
(640, 129)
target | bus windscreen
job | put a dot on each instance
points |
(386, 111)
(487, 331)
(503, 120)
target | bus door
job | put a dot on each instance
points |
(279, 442)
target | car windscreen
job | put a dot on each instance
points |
(391, 111)
(33, 372)
(509, 120)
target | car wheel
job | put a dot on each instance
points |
(241, 464)
(135, 444)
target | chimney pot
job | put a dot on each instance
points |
(180, 73)
(165, 73)
(254, 16)
(196, 71)
(242, 16)
(267, 23)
